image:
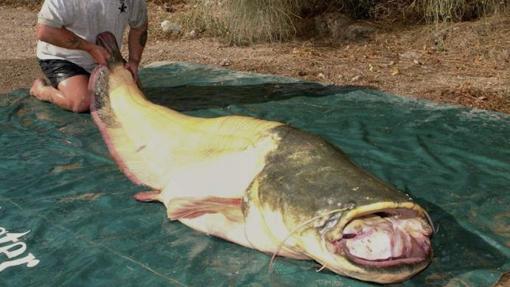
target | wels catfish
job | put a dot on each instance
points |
(261, 184)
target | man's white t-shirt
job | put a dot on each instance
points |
(87, 19)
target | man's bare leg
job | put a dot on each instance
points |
(72, 93)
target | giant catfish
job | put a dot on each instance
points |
(258, 183)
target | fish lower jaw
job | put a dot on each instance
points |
(345, 265)
(385, 263)
(340, 249)
(388, 255)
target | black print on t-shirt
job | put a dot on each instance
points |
(123, 6)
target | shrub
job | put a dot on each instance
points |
(247, 21)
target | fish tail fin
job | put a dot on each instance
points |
(108, 41)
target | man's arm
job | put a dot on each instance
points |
(64, 38)
(137, 39)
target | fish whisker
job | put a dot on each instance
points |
(320, 269)
(434, 230)
(296, 229)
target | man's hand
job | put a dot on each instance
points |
(132, 66)
(137, 38)
(98, 53)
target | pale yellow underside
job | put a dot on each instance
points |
(185, 156)
(157, 143)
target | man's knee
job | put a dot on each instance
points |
(75, 90)
(81, 106)
(80, 101)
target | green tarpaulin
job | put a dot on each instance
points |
(67, 216)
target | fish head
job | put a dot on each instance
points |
(322, 205)
(383, 242)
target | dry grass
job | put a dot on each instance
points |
(248, 21)
(459, 10)
(244, 21)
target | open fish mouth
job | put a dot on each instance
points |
(384, 239)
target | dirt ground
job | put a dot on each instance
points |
(464, 63)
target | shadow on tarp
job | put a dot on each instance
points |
(58, 181)
(182, 87)
(191, 98)
(457, 251)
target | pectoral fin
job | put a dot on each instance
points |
(188, 208)
(148, 196)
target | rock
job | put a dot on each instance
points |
(225, 62)
(356, 78)
(170, 27)
(410, 55)
(321, 76)
(340, 27)
(331, 24)
(193, 34)
(302, 73)
(358, 31)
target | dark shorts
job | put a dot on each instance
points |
(58, 70)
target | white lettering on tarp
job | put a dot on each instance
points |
(13, 248)
(29, 260)
(11, 237)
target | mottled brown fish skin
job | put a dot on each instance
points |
(306, 174)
